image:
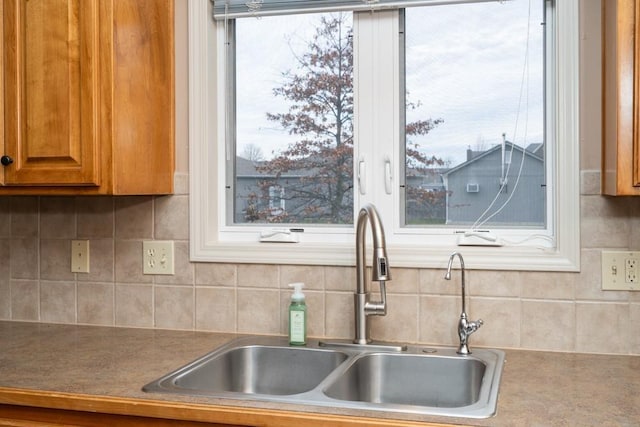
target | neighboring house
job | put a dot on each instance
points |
(263, 197)
(492, 175)
(455, 196)
(421, 209)
(260, 192)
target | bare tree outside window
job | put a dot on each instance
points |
(317, 169)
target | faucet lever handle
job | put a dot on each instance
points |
(474, 326)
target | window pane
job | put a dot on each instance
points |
(475, 140)
(293, 115)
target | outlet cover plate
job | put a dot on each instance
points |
(620, 271)
(157, 257)
(79, 256)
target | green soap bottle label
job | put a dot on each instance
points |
(297, 326)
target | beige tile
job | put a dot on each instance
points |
(214, 274)
(603, 327)
(439, 316)
(590, 182)
(401, 322)
(5, 298)
(181, 183)
(58, 302)
(134, 217)
(604, 222)
(183, 268)
(315, 313)
(497, 283)
(171, 218)
(634, 318)
(96, 303)
(432, 283)
(502, 321)
(589, 280)
(258, 311)
(57, 218)
(24, 256)
(134, 305)
(5, 274)
(404, 281)
(340, 278)
(311, 276)
(216, 309)
(340, 318)
(173, 307)
(634, 236)
(545, 285)
(5, 218)
(258, 276)
(101, 262)
(548, 325)
(5, 254)
(95, 217)
(25, 300)
(24, 217)
(128, 265)
(55, 260)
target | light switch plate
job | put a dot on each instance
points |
(79, 256)
(157, 257)
(621, 271)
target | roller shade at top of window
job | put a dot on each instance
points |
(230, 9)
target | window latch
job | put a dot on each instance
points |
(362, 176)
(388, 175)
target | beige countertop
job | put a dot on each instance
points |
(73, 366)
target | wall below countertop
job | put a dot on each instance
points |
(529, 310)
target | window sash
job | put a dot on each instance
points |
(207, 244)
(230, 9)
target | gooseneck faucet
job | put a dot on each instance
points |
(380, 272)
(465, 327)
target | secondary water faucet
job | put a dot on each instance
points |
(465, 328)
(380, 272)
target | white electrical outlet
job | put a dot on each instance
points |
(621, 271)
(157, 257)
(79, 256)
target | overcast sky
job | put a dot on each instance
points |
(464, 65)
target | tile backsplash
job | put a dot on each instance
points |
(530, 310)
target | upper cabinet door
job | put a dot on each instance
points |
(51, 92)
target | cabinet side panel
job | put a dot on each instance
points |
(620, 131)
(2, 143)
(609, 96)
(635, 180)
(143, 103)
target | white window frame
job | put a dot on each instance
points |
(205, 178)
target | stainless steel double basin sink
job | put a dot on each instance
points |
(419, 380)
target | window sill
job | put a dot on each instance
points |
(481, 258)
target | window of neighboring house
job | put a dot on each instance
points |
(448, 129)
(276, 201)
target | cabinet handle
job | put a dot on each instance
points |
(6, 160)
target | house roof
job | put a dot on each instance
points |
(248, 169)
(488, 152)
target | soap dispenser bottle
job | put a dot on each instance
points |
(297, 316)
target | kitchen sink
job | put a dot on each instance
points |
(260, 369)
(447, 382)
(407, 379)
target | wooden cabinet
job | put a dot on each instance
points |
(21, 416)
(621, 98)
(88, 97)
